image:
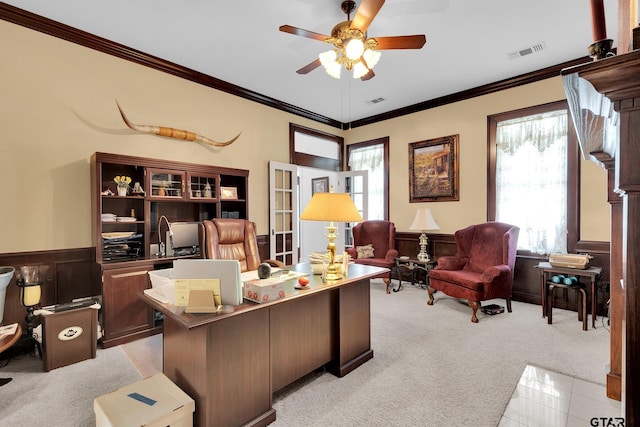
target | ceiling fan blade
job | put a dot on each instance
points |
(309, 67)
(367, 10)
(368, 76)
(401, 42)
(304, 33)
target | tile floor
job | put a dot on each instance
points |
(549, 399)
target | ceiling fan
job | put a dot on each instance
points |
(352, 49)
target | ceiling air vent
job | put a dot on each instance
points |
(527, 50)
(376, 101)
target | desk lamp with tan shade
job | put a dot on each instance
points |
(331, 207)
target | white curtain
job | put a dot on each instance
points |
(531, 180)
(371, 158)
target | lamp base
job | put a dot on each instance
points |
(423, 257)
(333, 273)
(423, 242)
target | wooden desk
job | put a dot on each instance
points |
(231, 364)
(593, 273)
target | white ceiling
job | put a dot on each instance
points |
(468, 42)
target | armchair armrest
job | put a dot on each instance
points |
(353, 252)
(451, 263)
(391, 256)
(490, 274)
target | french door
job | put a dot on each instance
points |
(283, 212)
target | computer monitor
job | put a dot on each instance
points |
(183, 238)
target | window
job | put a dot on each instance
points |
(533, 176)
(373, 156)
(312, 148)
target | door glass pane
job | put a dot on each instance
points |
(287, 200)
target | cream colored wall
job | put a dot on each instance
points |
(58, 108)
(469, 119)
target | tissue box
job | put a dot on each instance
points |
(267, 290)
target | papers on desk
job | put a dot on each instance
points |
(221, 276)
(185, 287)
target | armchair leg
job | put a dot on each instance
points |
(388, 283)
(431, 291)
(509, 305)
(474, 306)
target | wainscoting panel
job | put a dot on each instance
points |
(526, 282)
(71, 274)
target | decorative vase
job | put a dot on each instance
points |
(122, 191)
(207, 191)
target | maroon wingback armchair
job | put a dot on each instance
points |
(382, 236)
(482, 268)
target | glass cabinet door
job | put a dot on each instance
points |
(202, 187)
(164, 184)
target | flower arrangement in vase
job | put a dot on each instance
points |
(123, 184)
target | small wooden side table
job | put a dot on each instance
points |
(7, 342)
(413, 265)
(546, 270)
(10, 340)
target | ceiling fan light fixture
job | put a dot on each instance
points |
(371, 57)
(354, 49)
(328, 61)
(359, 70)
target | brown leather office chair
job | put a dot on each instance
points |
(482, 268)
(381, 235)
(223, 238)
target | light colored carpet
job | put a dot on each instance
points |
(431, 367)
(63, 396)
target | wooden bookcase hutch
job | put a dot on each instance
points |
(126, 228)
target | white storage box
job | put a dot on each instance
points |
(162, 281)
(153, 402)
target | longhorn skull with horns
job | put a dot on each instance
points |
(174, 133)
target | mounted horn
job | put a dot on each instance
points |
(173, 133)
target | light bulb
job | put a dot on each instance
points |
(354, 49)
(359, 70)
(371, 57)
(328, 61)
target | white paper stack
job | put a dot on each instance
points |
(125, 219)
(108, 217)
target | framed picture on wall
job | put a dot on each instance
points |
(433, 170)
(319, 185)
